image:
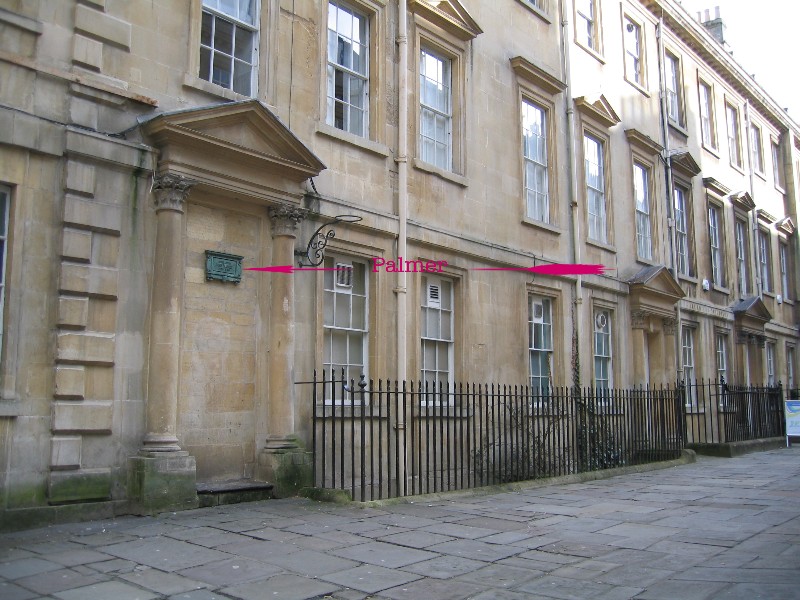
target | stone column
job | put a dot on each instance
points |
(670, 359)
(165, 315)
(282, 461)
(163, 477)
(741, 372)
(639, 324)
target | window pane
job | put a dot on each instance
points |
(222, 70)
(328, 308)
(342, 316)
(223, 36)
(356, 356)
(205, 64)
(206, 31)
(244, 45)
(241, 78)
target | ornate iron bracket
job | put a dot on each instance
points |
(315, 250)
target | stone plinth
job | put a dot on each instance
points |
(162, 481)
(287, 466)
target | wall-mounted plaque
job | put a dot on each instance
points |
(223, 267)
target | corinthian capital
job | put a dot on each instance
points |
(286, 219)
(670, 326)
(171, 191)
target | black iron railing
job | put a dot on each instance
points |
(387, 439)
(718, 413)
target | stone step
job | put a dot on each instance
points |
(214, 493)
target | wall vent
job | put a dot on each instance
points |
(434, 300)
(344, 275)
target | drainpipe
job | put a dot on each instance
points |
(673, 246)
(574, 214)
(402, 212)
(751, 217)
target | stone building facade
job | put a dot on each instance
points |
(151, 150)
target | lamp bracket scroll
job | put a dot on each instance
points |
(314, 253)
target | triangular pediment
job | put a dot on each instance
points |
(655, 291)
(244, 132)
(599, 109)
(450, 15)
(743, 201)
(751, 309)
(685, 163)
(786, 225)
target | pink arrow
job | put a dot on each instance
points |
(556, 269)
(289, 269)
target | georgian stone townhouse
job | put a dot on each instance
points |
(152, 151)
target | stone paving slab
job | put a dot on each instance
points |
(719, 529)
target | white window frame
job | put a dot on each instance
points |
(535, 160)
(770, 359)
(777, 166)
(790, 367)
(715, 239)
(5, 215)
(674, 89)
(596, 207)
(734, 139)
(603, 353)
(633, 43)
(722, 356)
(708, 128)
(348, 73)
(586, 15)
(740, 239)
(682, 230)
(641, 196)
(765, 260)
(540, 345)
(215, 13)
(688, 356)
(341, 287)
(436, 150)
(432, 342)
(784, 261)
(757, 148)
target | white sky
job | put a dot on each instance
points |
(763, 36)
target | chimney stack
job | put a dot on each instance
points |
(713, 24)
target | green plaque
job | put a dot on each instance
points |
(223, 267)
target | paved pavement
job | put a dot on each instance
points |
(720, 528)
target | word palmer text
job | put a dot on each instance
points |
(407, 266)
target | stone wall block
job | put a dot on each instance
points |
(85, 348)
(86, 214)
(82, 417)
(73, 313)
(103, 27)
(80, 178)
(76, 245)
(72, 486)
(96, 282)
(70, 383)
(87, 53)
(65, 452)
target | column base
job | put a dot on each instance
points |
(285, 464)
(161, 481)
(160, 442)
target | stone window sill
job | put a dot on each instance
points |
(353, 140)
